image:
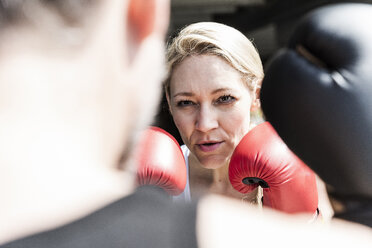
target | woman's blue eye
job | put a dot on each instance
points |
(226, 99)
(184, 103)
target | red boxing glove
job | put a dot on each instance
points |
(160, 161)
(262, 158)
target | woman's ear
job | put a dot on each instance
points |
(256, 103)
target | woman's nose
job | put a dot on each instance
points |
(206, 119)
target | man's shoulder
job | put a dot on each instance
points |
(146, 218)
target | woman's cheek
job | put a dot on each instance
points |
(182, 123)
(238, 124)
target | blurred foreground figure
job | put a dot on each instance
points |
(77, 80)
(317, 93)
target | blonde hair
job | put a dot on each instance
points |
(211, 38)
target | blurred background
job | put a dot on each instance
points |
(268, 23)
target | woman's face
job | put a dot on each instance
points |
(210, 106)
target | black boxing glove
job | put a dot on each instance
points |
(317, 93)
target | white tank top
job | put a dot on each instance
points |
(185, 196)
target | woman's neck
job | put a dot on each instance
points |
(203, 181)
(221, 183)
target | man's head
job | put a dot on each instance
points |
(84, 70)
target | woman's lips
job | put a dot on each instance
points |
(209, 147)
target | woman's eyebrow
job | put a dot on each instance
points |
(189, 94)
(183, 94)
(219, 90)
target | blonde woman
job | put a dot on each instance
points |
(214, 75)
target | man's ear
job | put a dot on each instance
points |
(147, 17)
